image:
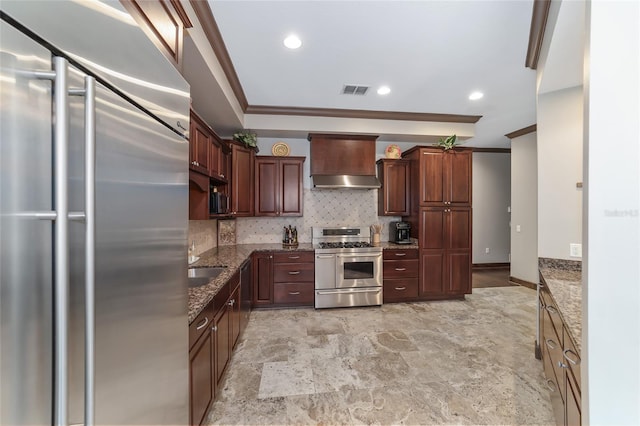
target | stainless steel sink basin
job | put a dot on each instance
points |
(202, 276)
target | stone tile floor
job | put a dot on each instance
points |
(449, 362)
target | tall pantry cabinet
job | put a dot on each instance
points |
(441, 219)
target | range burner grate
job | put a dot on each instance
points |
(354, 244)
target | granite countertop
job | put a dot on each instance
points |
(565, 285)
(232, 257)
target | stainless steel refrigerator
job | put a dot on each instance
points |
(93, 219)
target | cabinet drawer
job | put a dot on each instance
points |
(571, 358)
(293, 272)
(400, 254)
(293, 257)
(399, 289)
(553, 345)
(557, 401)
(400, 269)
(293, 293)
(200, 325)
(552, 310)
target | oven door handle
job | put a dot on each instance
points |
(369, 255)
(364, 290)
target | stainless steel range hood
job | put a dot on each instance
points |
(345, 182)
(343, 161)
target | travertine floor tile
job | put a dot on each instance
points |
(450, 362)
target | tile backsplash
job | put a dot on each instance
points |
(204, 233)
(321, 208)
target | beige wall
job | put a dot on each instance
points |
(559, 169)
(204, 234)
(524, 208)
(491, 199)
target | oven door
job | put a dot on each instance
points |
(358, 270)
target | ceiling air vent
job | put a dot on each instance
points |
(354, 89)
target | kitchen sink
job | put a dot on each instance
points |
(203, 276)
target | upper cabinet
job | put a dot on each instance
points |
(200, 140)
(445, 176)
(242, 172)
(164, 22)
(278, 186)
(393, 196)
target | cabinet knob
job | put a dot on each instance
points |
(214, 328)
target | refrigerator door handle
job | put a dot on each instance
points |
(89, 218)
(90, 248)
(61, 243)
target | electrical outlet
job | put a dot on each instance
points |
(517, 228)
(575, 250)
(487, 250)
(508, 209)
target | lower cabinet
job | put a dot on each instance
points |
(212, 337)
(283, 278)
(561, 363)
(400, 275)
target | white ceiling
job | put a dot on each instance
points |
(432, 54)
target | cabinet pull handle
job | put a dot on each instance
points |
(553, 387)
(551, 309)
(572, 361)
(204, 322)
(551, 344)
(401, 254)
(294, 293)
(294, 257)
(400, 288)
(401, 269)
(214, 328)
(232, 302)
(294, 272)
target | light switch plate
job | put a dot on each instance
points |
(575, 250)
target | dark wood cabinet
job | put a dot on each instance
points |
(445, 241)
(201, 373)
(164, 22)
(218, 159)
(242, 180)
(278, 186)
(262, 278)
(199, 145)
(246, 294)
(212, 337)
(400, 272)
(393, 195)
(198, 196)
(561, 362)
(445, 176)
(441, 218)
(283, 278)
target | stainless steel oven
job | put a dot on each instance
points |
(348, 268)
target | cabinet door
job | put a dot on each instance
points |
(222, 334)
(215, 157)
(458, 228)
(457, 177)
(433, 263)
(242, 164)
(290, 187)
(572, 403)
(262, 279)
(393, 196)
(266, 187)
(431, 177)
(458, 277)
(234, 311)
(200, 144)
(433, 228)
(246, 294)
(201, 376)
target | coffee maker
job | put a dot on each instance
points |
(399, 232)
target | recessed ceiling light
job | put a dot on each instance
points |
(475, 96)
(292, 42)
(384, 90)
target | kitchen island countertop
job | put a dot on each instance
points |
(565, 286)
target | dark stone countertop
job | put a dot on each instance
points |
(564, 281)
(232, 257)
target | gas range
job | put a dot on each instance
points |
(348, 268)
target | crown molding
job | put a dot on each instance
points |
(536, 31)
(522, 132)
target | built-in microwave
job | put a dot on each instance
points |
(218, 203)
